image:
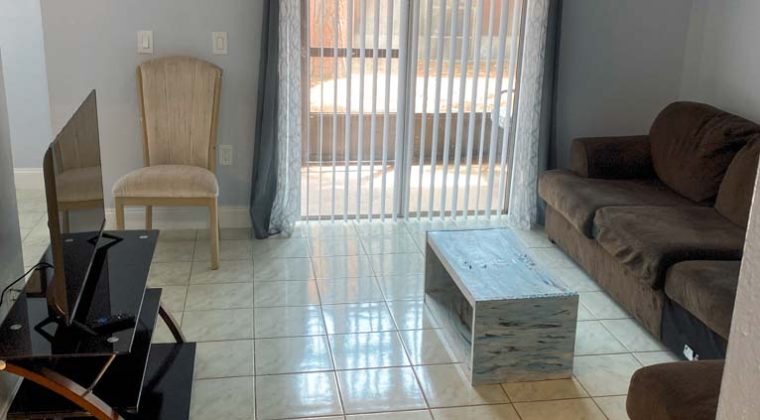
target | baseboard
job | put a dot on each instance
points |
(29, 178)
(181, 217)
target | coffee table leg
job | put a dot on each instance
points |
(524, 339)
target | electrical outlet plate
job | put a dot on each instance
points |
(225, 155)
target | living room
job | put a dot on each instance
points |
(388, 209)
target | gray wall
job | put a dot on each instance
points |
(619, 63)
(93, 44)
(11, 262)
(26, 87)
(722, 63)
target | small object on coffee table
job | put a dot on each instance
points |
(501, 313)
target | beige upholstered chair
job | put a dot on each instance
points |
(179, 98)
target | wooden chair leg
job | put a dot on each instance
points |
(119, 213)
(148, 217)
(213, 229)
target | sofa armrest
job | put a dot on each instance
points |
(627, 157)
(677, 390)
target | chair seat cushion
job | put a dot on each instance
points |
(167, 181)
(648, 240)
(79, 185)
(578, 198)
(675, 391)
(707, 290)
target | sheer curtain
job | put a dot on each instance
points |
(286, 209)
(523, 203)
(275, 185)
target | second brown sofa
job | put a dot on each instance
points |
(659, 220)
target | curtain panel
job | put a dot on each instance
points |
(275, 184)
(523, 202)
(286, 210)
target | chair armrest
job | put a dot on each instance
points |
(627, 157)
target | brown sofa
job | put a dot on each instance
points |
(659, 220)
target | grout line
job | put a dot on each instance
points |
(253, 340)
(330, 351)
(598, 407)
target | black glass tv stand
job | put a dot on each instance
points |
(69, 373)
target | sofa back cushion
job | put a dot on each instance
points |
(693, 144)
(735, 194)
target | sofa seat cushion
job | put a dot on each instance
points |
(675, 391)
(648, 240)
(578, 198)
(167, 181)
(707, 290)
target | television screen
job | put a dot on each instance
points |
(76, 212)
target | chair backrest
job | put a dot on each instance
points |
(180, 105)
(77, 145)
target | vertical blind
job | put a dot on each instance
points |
(410, 107)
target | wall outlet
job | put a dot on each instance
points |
(225, 155)
(145, 42)
(219, 43)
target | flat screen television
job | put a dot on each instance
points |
(76, 212)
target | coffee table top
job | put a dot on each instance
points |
(492, 264)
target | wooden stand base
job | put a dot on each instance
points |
(164, 393)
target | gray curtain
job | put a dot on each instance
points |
(546, 146)
(264, 178)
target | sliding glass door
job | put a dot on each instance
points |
(409, 107)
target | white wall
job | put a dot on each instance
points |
(93, 44)
(722, 67)
(26, 81)
(741, 377)
(619, 64)
(10, 237)
(722, 63)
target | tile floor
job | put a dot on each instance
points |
(330, 324)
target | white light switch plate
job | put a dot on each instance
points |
(145, 42)
(225, 155)
(219, 43)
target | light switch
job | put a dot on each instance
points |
(219, 43)
(145, 42)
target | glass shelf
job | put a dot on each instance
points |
(27, 332)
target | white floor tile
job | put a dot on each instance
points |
(605, 375)
(375, 390)
(577, 409)
(292, 355)
(448, 386)
(297, 395)
(358, 318)
(368, 350)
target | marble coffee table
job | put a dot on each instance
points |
(501, 313)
